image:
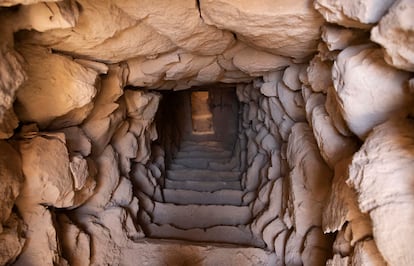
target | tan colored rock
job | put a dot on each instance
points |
(107, 181)
(180, 21)
(47, 16)
(75, 243)
(342, 207)
(317, 248)
(255, 62)
(41, 246)
(352, 14)
(288, 29)
(210, 73)
(292, 102)
(337, 260)
(361, 76)
(188, 66)
(333, 109)
(11, 240)
(366, 253)
(107, 33)
(291, 76)
(22, 2)
(12, 76)
(8, 123)
(45, 164)
(319, 74)
(310, 179)
(382, 174)
(68, 86)
(106, 115)
(393, 33)
(76, 141)
(11, 177)
(332, 145)
(338, 38)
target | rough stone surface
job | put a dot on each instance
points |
(267, 24)
(360, 75)
(353, 14)
(384, 187)
(394, 33)
(68, 86)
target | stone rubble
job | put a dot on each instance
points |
(309, 161)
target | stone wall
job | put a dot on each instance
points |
(325, 138)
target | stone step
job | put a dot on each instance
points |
(199, 216)
(238, 235)
(197, 163)
(219, 197)
(203, 145)
(204, 154)
(202, 175)
(202, 186)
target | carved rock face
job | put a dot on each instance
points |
(276, 126)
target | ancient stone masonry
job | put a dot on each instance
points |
(210, 132)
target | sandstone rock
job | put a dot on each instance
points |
(280, 245)
(361, 76)
(293, 250)
(393, 33)
(342, 207)
(122, 196)
(333, 109)
(106, 115)
(342, 243)
(381, 173)
(77, 141)
(8, 123)
(22, 2)
(338, 38)
(319, 74)
(126, 145)
(47, 16)
(180, 21)
(41, 247)
(292, 102)
(78, 89)
(285, 29)
(317, 248)
(314, 100)
(332, 145)
(79, 169)
(188, 66)
(353, 14)
(255, 62)
(12, 76)
(11, 240)
(310, 179)
(337, 260)
(291, 77)
(269, 89)
(75, 242)
(366, 253)
(141, 105)
(103, 32)
(107, 181)
(210, 73)
(45, 164)
(99, 67)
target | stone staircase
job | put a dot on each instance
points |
(203, 199)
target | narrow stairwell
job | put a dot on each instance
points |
(203, 199)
